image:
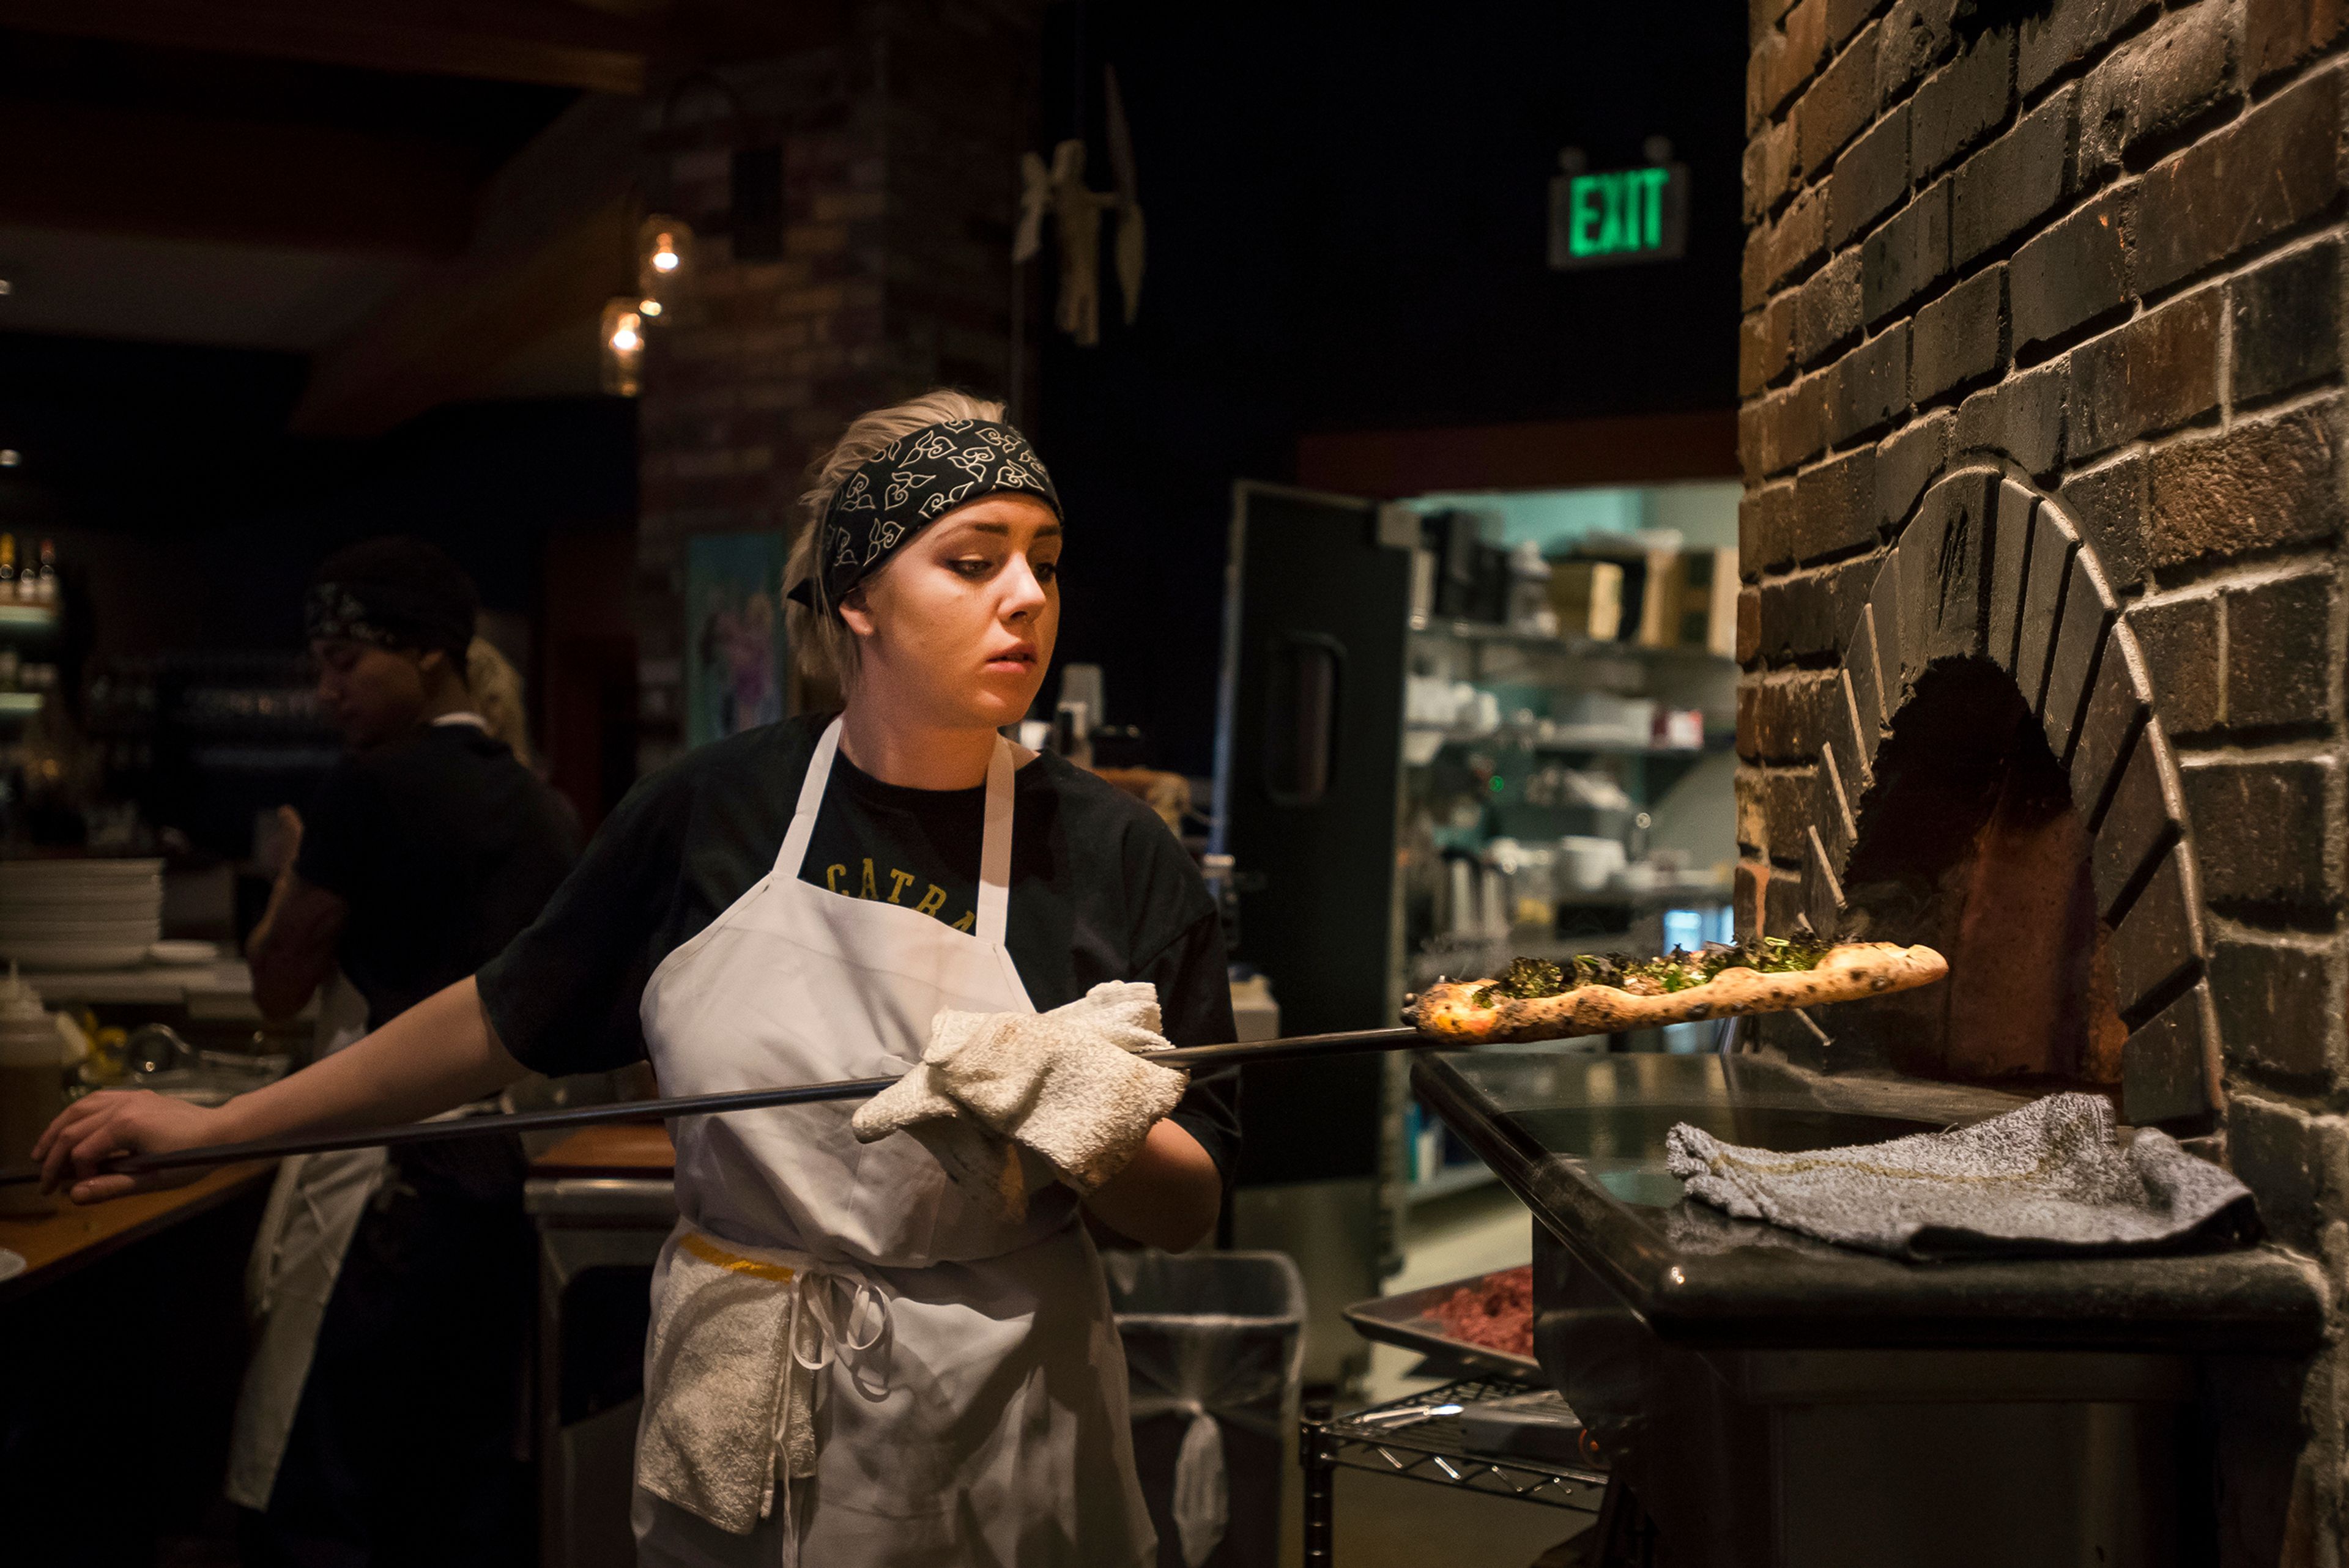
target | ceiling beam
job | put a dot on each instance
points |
(180, 177)
(440, 339)
(548, 42)
(556, 238)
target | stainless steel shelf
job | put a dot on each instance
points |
(1505, 739)
(1575, 648)
(1434, 1449)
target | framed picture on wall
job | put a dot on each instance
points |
(735, 648)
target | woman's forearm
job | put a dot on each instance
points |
(1168, 1194)
(435, 1056)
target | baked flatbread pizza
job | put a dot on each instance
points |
(1536, 1000)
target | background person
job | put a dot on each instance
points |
(377, 1424)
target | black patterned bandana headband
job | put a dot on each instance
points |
(916, 479)
(385, 616)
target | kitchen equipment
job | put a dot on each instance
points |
(156, 1049)
(1461, 880)
(1069, 733)
(1397, 1440)
(1586, 864)
(1308, 765)
(1301, 1047)
(1214, 1355)
(80, 914)
(1423, 569)
(1472, 576)
(1411, 1413)
(1297, 1048)
(1408, 1319)
(157, 1057)
(1082, 683)
(1588, 598)
(1681, 728)
(60, 955)
(1529, 609)
(1540, 1425)
(32, 1083)
(1497, 902)
(602, 1204)
(1536, 887)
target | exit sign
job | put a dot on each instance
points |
(1613, 217)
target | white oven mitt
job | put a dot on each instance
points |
(1070, 1085)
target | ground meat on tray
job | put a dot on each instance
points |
(1497, 1312)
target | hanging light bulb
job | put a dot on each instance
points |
(664, 261)
(624, 345)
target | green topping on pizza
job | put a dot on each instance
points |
(1676, 971)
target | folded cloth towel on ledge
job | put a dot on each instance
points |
(2050, 1178)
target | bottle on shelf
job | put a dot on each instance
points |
(46, 584)
(7, 568)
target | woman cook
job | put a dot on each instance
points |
(885, 1342)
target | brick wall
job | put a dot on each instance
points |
(2049, 298)
(900, 148)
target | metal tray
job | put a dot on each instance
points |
(1405, 1320)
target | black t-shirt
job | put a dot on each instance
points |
(1099, 891)
(444, 847)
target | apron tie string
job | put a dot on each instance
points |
(817, 1302)
(819, 1331)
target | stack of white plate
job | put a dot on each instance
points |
(79, 914)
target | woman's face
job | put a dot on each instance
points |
(960, 625)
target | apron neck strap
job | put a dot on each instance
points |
(995, 844)
(995, 849)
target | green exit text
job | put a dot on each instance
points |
(1611, 217)
(1617, 211)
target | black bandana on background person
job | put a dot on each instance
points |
(393, 593)
(913, 482)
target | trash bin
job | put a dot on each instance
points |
(1214, 1348)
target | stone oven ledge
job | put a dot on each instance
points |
(1735, 1283)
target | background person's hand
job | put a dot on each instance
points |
(289, 839)
(97, 1127)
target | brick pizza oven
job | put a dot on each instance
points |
(2041, 421)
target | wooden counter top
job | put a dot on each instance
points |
(642, 1151)
(56, 1244)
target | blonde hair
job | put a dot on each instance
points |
(824, 650)
(496, 686)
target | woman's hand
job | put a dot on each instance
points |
(97, 1127)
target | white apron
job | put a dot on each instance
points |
(988, 1424)
(314, 1208)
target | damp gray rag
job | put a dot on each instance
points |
(2048, 1178)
